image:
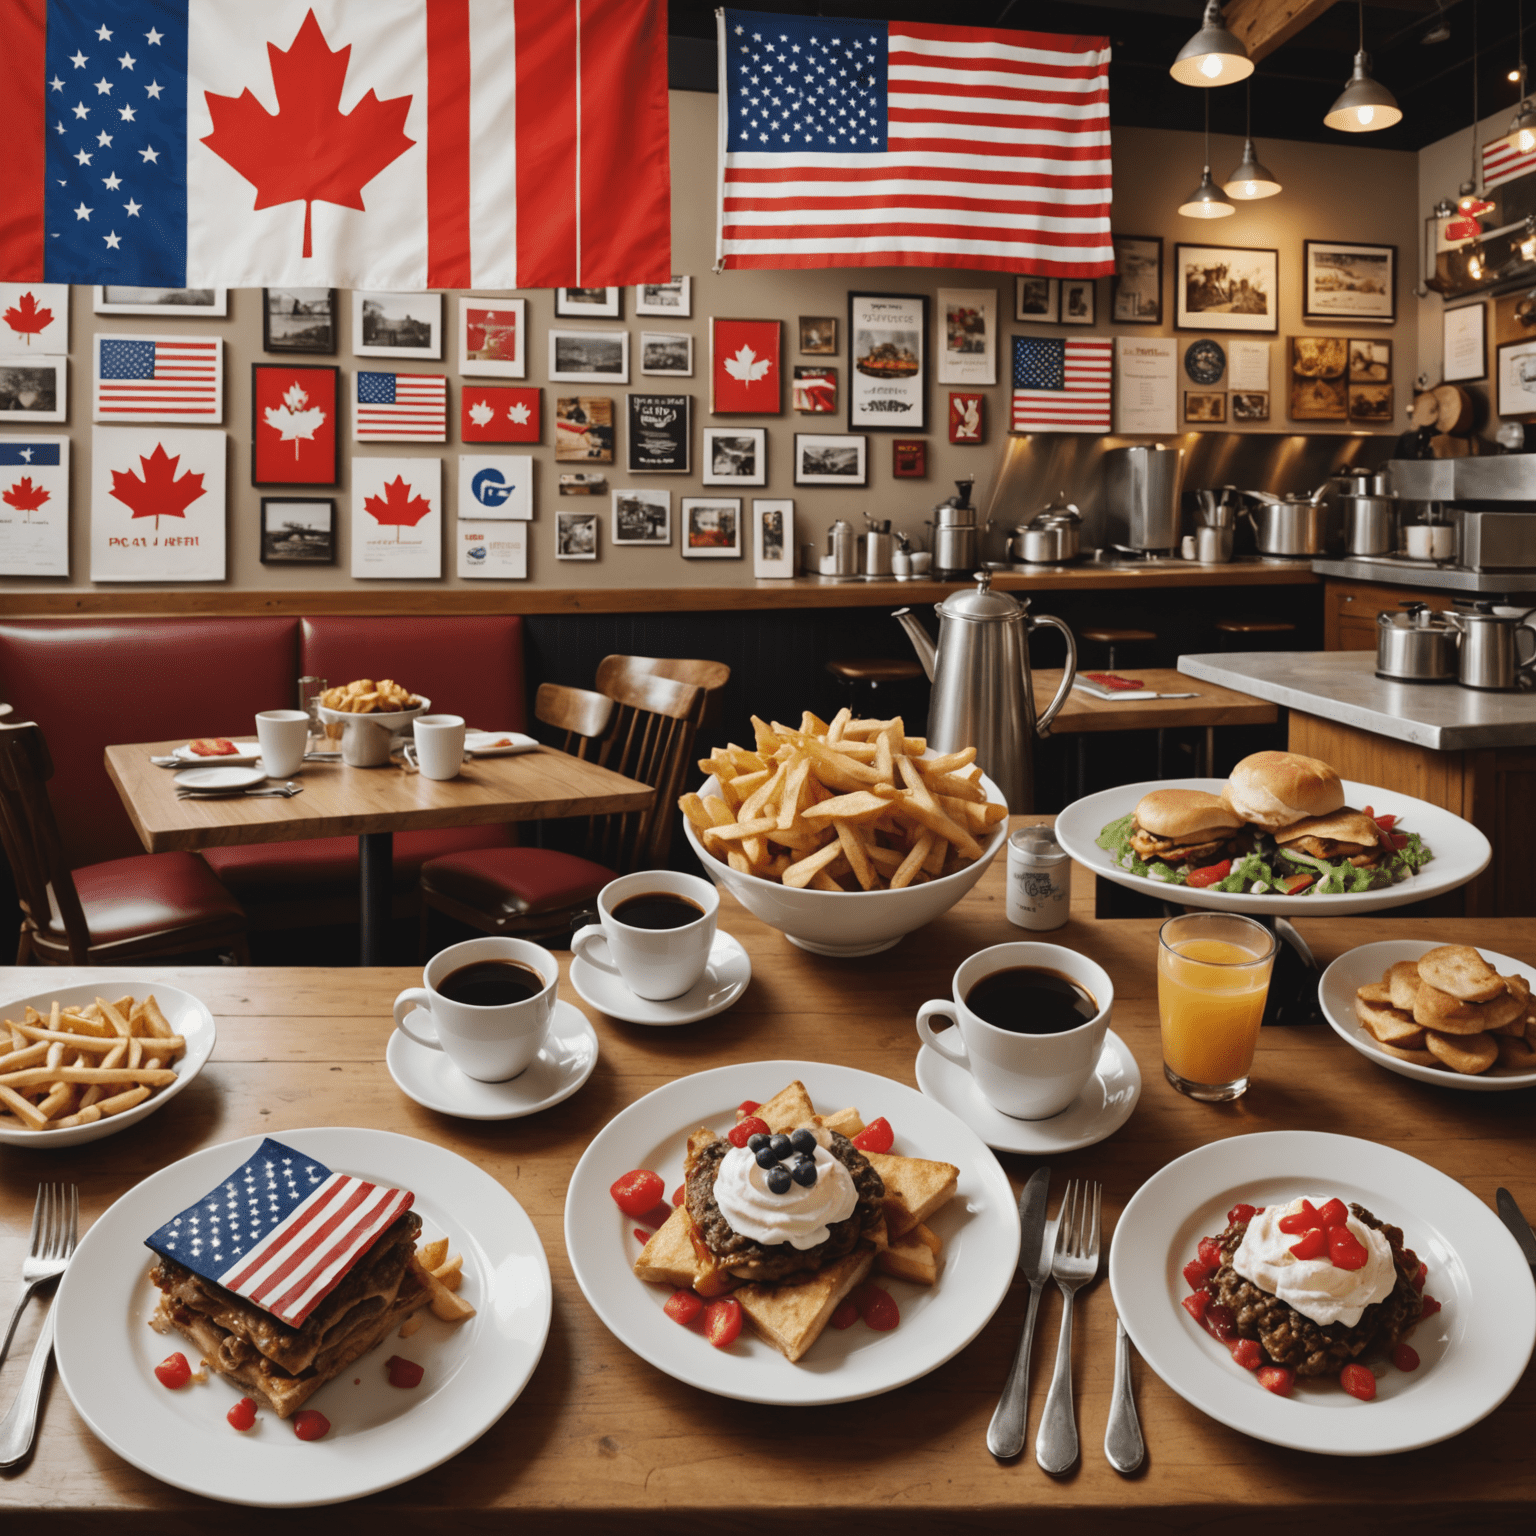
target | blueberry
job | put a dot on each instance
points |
(804, 1172)
(756, 1143)
(802, 1141)
(780, 1145)
(765, 1158)
(778, 1179)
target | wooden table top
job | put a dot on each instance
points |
(601, 1440)
(337, 800)
(1213, 704)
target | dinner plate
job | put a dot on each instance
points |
(1461, 852)
(187, 1015)
(380, 1435)
(222, 778)
(1472, 1353)
(248, 753)
(481, 743)
(1336, 993)
(980, 1229)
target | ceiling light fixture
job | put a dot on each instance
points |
(1471, 203)
(1522, 128)
(1364, 105)
(1476, 259)
(1439, 31)
(1213, 56)
(1250, 181)
(1207, 201)
(1528, 239)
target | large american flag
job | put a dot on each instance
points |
(859, 144)
(1504, 160)
(282, 1230)
(401, 408)
(1061, 385)
(159, 378)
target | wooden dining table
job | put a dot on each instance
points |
(601, 1440)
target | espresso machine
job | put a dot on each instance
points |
(956, 554)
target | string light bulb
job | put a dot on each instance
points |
(1476, 261)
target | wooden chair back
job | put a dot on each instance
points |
(710, 676)
(582, 715)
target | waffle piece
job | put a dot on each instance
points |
(792, 1317)
(788, 1108)
(914, 1188)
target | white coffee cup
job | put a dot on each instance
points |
(1030, 1077)
(1430, 541)
(437, 746)
(488, 1042)
(654, 963)
(284, 736)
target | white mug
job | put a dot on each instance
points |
(1030, 1077)
(1430, 541)
(284, 736)
(437, 746)
(488, 1043)
(654, 963)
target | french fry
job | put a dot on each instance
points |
(853, 849)
(798, 875)
(110, 1012)
(158, 1023)
(913, 862)
(858, 806)
(450, 1271)
(24, 1109)
(104, 1107)
(432, 1255)
(445, 1305)
(30, 1076)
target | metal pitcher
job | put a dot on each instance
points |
(982, 693)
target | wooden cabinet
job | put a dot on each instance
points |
(1350, 609)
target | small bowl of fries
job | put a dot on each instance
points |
(79, 1063)
(368, 718)
(844, 835)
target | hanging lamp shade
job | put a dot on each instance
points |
(1251, 181)
(1471, 202)
(1364, 105)
(1523, 127)
(1213, 56)
(1207, 201)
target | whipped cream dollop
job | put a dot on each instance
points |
(802, 1216)
(1317, 1288)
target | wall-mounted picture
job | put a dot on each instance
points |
(1370, 402)
(745, 367)
(34, 505)
(397, 518)
(1349, 282)
(34, 319)
(583, 482)
(735, 456)
(967, 336)
(1225, 288)
(588, 303)
(169, 303)
(818, 335)
(1319, 389)
(1516, 370)
(584, 429)
(830, 459)
(642, 516)
(773, 539)
(1370, 362)
(297, 532)
(576, 535)
(589, 357)
(674, 299)
(1077, 301)
(669, 353)
(1204, 407)
(660, 434)
(496, 487)
(175, 379)
(399, 407)
(888, 350)
(158, 505)
(294, 440)
(1136, 290)
(1464, 344)
(815, 389)
(34, 390)
(1036, 299)
(500, 413)
(967, 418)
(397, 325)
(711, 528)
(492, 551)
(1250, 405)
(909, 458)
(1205, 361)
(493, 336)
(298, 320)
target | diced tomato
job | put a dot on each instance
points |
(877, 1136)
(1210, 1252)
(1358, 1382)
(1278, 1379)
(1368, 811)
(1420, 1276)
(1196, 1304)
(242, 1415)
(748, 1107)
(722, 1321)
(1220, 1320)
(658, 1215)
(684, 1307)
(1345, 1249)
(1196, 1273)
(403, 1372)
(1314, 1244)
(679, 1194)
(311, 1424)
(643, 1235)
(1386, 823)
(1209, 875)
(174, 1372)
(1300, 1221)
(847, 1314)
(1431, 1306)
(1405, 1357)
(744, 1130)
(1293, 885)
(1399, 840)
(880, 1309)
(1248, 1354)
(637, 1191)
(1241, 1213)
(1334, 1214)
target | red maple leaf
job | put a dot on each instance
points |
(25, 496)
(396, 506)
(310, 150)
(161, 493)
(29, 317)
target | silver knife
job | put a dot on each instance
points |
(1005, 1434)
(1514, 1218)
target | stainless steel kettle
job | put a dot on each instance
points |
(983, 696)
(1491, 644)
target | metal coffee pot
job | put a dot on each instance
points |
(1491, 647)
(983, 696)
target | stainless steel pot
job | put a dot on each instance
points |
(1052, 537)
(954, 550)
(1213, 544)
(1417, 646)
(876, 548)
(1370, 525)
(1294, 527)
(1490, 649)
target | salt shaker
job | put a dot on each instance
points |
(1039, 880)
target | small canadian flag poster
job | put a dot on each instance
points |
(499, 413)
(34, 319)
(34, 506)
(397, 518)
(157, 504)
(293, 424)
(745, 375)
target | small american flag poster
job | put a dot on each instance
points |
(158, 378)
(401, 408)
(1061, 385)
(1504, 160)
(282, 1230)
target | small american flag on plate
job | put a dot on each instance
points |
(282, 1230)
(401, 408)
(159, 378)
(1061, 385)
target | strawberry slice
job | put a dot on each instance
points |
(745, 1129)
(1241, 1213)
(1219, 1318)
(877, 1136)
(1300, 1221)
(847, 1314)
(1405, 1357)
(1345, 1249)
(1334, 1214)
(684, 1307)
(1196, 1273)
(880, 1309)
(1210, 1252)
(1278, 1379)
(1314, 1244)
(1431, 1306)
(1196, 1304)
(1199, 878)
(722, 1321)
(1358, 1382)
(1248, 1354)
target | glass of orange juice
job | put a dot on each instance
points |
(1212, 979)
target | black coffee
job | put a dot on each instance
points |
(1029, 1000)
(657, 909)
(491, 983)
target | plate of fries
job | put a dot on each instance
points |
(367, 697)
(844, 834)
(79, 1063)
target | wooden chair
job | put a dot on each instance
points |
(711, 676)
(138, 908)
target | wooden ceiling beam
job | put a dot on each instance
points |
(1263, 25)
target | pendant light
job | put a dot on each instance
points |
(1471, 203)
(1250, 181)
(1213, 56)
(1364, 105)
(1522, 130)
(1207, 201)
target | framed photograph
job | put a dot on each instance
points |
(1205, 407)
(583, 483)
(397, 325)
(1349, 282)
(1370, 362)
(1464, 335)
(1319, 387)
(581, 357)
(34, 319)
(1516, 371)
(397, 518)
(967, 336)
(1250, 405)
(660, 434)
(735, 456)
(496, 487)
(642, 516)
(1136, 290)
(967, 418)
(818, 335)
(773, 539)
(1077, 301)
(909, 458)
(584, 429)
(299, 320)
(501, 413)
(294, 440)
(493, 335)
(815, 389)
(711, 528)
(1225, 288)
(158, 505)
(34, 389)
(175, 379)
(828, 459)
(1370, 402)
(1036, 299)
(169, 303)
(587, 303)
(668, 353)
(298, 532)
(576, 535)
(745, 367)
(888, 348)
(674, 299)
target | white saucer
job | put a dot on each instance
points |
(1104, 1105)
(725, 979)
(479, 743)
(222, 778)
(248, 752)
(560, 1068)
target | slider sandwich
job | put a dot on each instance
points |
(1185, 826)
(1271, 790)
(1343, 834)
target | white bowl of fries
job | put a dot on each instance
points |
(369, 718)
(82, 1062)
(845, 837)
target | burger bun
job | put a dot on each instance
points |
(1188, 815)
(1275, 789)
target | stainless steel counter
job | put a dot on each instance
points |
(1423, 573)
(1342, 686)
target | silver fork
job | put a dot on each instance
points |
(1076, 1263)
(55, 1220)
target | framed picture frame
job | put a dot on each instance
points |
(815, 389)
(576, 534)
(818, 335)
(1516, 373)
(491, 551)
(746, 373)
(735, 456)
(588, 303)
(888, 362)
(1205, 407)
(34, 389)
(967, 418)
(583, 482)
(1250, 405)
(1036, 300)
(967, 344)
(299, 320)
(34, 319)
(666, 354)
(1371, 402)
(1319, 386)
(298, 531)
(1136, 290)
(909, 458)
(1370, 360)
(1078, 301)
(167, 303)
(711, 528)
(642, 517)
(35, 482)
(294, 440)
(823, 458)
(584, 429)
(1349, 282)
(589, 357)
(660, 434)
(1226, 288)
(674, 299)
(147, 378)
(493, 337)
(501, 413)
(397, 518)
(397, 325)
(773, 539)
(399, 407)
(137, 532)
(495, 487)
(1464, 344)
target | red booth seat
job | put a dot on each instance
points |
(533, 880)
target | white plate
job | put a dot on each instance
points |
(187, 1015)
(221, 778)
(380, 1435)
(564, 1063)
(1336, 993)
(248, 753)
(1461, 852)
(1472, 1353)
(1104, 1105)
(725, 978)
(980, 1228)
(480, 743)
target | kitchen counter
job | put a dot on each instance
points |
(1425, 573)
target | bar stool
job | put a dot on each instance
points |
(872, 673)
(1261, 633)
(1110, 639)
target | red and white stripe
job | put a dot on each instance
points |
(419, 414)
(1504, 160)
(1083, 406)
(185, 382)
